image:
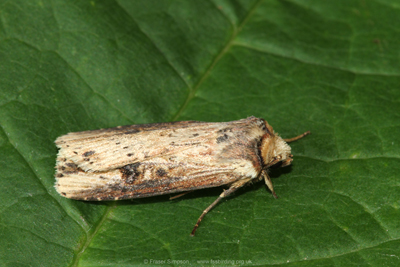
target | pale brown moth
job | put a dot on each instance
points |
(153, 159)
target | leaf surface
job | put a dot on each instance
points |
(331, 67)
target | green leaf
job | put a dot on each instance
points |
(331, 67)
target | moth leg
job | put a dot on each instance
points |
(180, 195)
(268, 182)
(297, 137)
(235, 186)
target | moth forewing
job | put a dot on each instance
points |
(154, 159)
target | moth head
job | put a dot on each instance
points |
(275, 150)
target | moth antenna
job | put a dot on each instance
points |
(297, 137)
(235, 186)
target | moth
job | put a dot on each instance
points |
(146, 160)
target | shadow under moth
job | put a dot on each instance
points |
(146, 160)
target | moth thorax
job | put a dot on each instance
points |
(274, 149)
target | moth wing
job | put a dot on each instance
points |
(108, 149)
(153, 177)
(206, 155)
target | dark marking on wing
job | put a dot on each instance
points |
(88, 153)
(133, 131)
(71, 165)
(68, 168)
(228, 129)
(130, 172)
(222, 138)
(161, 172)
(185, 144)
